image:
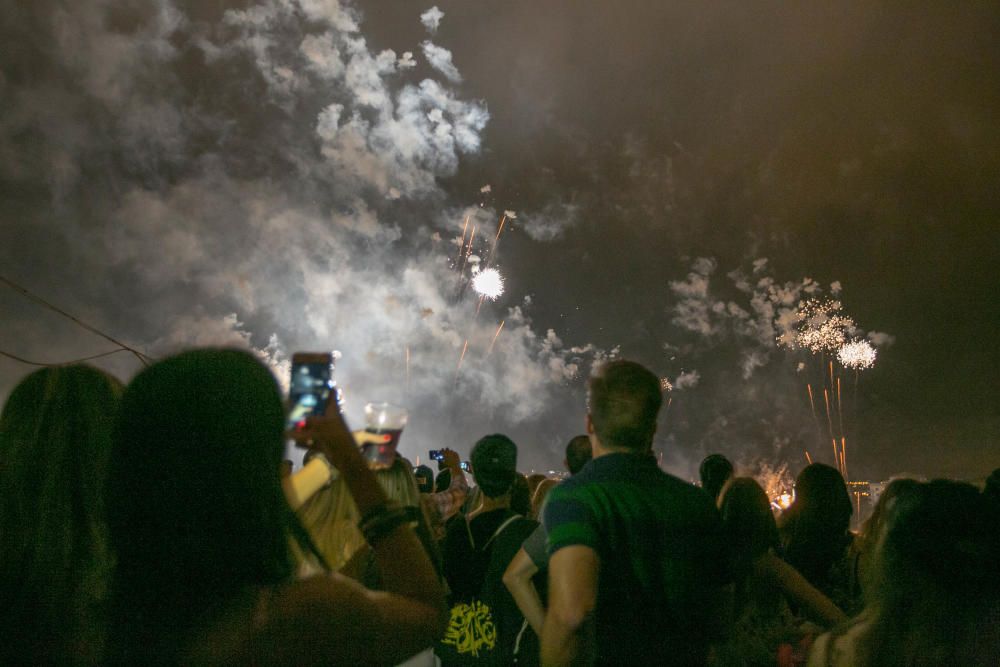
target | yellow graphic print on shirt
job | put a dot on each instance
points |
(471, 628)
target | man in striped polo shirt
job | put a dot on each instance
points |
(638, 569)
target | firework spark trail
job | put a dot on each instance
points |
(495, 336)
(465, 255)
(503, 219)
(829, 423)
(843, 455)
(840, 409)
(831, 374)
(809, 458)
(496, 239)
(461, 359)
(812, 406)
(461, 248)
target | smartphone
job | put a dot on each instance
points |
(310, 387)
(436, 455)
(466, 466)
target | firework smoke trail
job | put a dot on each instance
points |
(461, 358)
(495, 336)
(407, 369)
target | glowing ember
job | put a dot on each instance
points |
(488, 284)
(665, 385)
(858, 355)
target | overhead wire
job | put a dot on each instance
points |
(143, 358)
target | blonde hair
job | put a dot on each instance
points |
(331, 517)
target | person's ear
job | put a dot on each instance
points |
(590, 425)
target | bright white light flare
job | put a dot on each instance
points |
(488, 284)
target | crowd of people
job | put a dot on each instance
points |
(157, 523)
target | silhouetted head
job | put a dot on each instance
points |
(747, 518)
(425, 478)
(520, 495)
(578, 453)
(934, 594)
(714, 471)
(195, 503)
(872, 528)
(821, 498)
(992, 488)
(56, 434)
(494, 464)
(624, 400)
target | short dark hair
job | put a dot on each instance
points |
(624, 400)
(494, 464)
(578, 453)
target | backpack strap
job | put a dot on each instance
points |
(496, 533)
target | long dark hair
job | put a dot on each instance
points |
(814, 528)
(934, 595)
(195, 504)
(55, 438)
(749, 527)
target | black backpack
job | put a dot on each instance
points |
(484, 622)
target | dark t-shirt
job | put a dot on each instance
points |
(663, 561)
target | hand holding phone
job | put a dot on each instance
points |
(310, 387)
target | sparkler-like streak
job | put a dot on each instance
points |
(461, 359)
(461, 248)
(829, 423)
(488, 284)
(495, 336)
(809, 458)
(812, 406)
(843, 456)
(840, 409)
(407, 369)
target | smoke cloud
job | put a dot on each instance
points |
(261, 177)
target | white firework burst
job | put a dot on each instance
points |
(488, 284)
(665, 385)
(858, 355)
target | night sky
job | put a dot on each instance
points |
(164, 176)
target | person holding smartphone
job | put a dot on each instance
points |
(202, 532)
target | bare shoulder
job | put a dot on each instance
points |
(313, 621)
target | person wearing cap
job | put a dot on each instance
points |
(476, 550)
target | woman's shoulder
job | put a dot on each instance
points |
(299, 622)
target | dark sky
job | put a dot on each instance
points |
(856, 142)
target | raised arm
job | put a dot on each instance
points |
(410, 614)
